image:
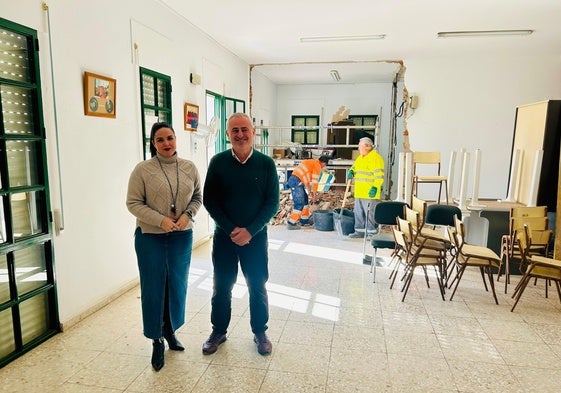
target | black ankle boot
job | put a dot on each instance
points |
(158, 348)
(173, 342)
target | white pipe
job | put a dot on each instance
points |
(60, 225)
(409, 175)
(457, 196)
(514, 173)
(476, 175)
(464, 182)
(533, 196)
(451, 174)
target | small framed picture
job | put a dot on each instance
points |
(191, 114)
(100, 95)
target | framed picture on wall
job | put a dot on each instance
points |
(191, 117)
(100, 95)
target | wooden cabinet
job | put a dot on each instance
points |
(538, 127)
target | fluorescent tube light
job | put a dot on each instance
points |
(343, 38)
(335, 75)
(482, 33)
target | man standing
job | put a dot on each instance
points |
(241, 194)
(304, 183)
(368, 172)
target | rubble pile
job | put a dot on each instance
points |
(328, 200)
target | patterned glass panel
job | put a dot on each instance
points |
(4, 280)
(299, 136)
(3, 233)
(33, 317)
(162, 94)
(14, 56)
(312, 137)
(22, 165)
(31, 269)
(148, 90)
(312, 121)
(299, 121)
(17, 110)
(7, 342)
(25, 213)
(165, 116)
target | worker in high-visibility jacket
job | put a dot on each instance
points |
(303, 184)
(368, 174)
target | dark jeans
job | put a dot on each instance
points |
(299, 195)
(253, 260)
(163, 264)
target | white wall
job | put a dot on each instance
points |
(95, 253)
(464, 102)
(471, 102)
(325, 100)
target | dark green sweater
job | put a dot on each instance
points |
(241, 195)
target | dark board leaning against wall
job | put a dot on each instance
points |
(538, 126)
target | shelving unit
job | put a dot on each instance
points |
(337, 139)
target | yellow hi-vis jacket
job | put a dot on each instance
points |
(368, 172)
(308, 172)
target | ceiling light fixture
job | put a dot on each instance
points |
(482, 33)
(336, 38)
(335, 75)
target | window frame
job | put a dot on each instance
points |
(158, 108)
(43, 298)
(307, 133)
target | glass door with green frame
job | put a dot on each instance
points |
(28, 302)
(222, 108)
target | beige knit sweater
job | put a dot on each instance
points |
(149, 197)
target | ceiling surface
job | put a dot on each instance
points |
(267, 33)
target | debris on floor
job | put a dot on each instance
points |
(328, 200)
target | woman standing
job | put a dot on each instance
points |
(164, 194)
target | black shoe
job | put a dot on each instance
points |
(211, 344)
(173, 342)
(264, 346)
(158, 348)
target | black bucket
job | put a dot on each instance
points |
(347, 220)
(323, 220)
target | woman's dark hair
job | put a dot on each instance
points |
(155, 128)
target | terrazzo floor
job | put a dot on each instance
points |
(333, 330)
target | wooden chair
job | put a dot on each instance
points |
(424, 160)
(468, 255)
(416, 256)
(537, 267)
(431, 238)
(420, 206)
(535, 218)
(411, 229)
